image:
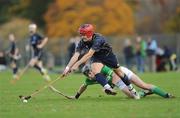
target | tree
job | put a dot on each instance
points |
(110, 17)
(29, 9)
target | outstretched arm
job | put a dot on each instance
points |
(82, 88)
(73, 60)
(83, 59)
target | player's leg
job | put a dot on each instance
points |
(121, 85)
(14, 68)
(114, 79)
(42, 70)
(112, 62)
(100, 78)
(152, 88)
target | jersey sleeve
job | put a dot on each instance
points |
(97, 43)
(39, 37)
(79, 47)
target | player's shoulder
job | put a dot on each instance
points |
(97, 37)
(37, 35)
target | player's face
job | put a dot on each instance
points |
(85, 38)
(11, 37)
(91, 74)
(32, 30)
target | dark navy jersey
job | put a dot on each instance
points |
(35, 40)
(12, 48)
(98, 43)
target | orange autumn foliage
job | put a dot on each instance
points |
(110, 17)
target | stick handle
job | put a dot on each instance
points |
(47, 85)
(22, 72)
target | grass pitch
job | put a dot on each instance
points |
(92, 104)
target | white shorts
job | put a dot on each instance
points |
(128, 72)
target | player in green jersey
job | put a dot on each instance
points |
(113, 80)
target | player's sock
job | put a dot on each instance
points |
(38, 68)
(127, 82)
(101, 80)
(130, 87)
(15, 70)
(44, 71)
(159, 91)
(46, 77)
(77, 95)
(120, 84)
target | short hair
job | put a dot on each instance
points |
(33, 25)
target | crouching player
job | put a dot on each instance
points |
(113, 80)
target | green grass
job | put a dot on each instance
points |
(92, 104)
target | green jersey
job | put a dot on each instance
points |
(106, 71)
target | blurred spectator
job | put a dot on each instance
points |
(171, 58)
(151, 52)
(14, 55)
(141, 46)
(161, 61)
(3, 62)
(128, 53)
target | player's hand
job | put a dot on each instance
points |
(39, 46)
(66, 71)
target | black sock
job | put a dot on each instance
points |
(38, 68)
(100, 78)
(125, 80)
(15, 70)
(77, 95)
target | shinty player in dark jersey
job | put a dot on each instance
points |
(37, 43)
(14, 55)
(99, 52)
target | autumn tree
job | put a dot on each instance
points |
(110, 17)
(29, 9)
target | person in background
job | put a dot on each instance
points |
(151, 53)
(14, 55)
(171, 58)
(3, 62)
(128, 53)
(141, 46)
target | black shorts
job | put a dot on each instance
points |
(109, 60)
(38, 54)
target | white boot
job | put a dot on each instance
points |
(135, 94)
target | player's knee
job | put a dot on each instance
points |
(96, 67)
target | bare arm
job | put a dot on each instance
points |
(43, 43)
(86, 57)
(82, 88)
(73, 60)
(71, 63)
